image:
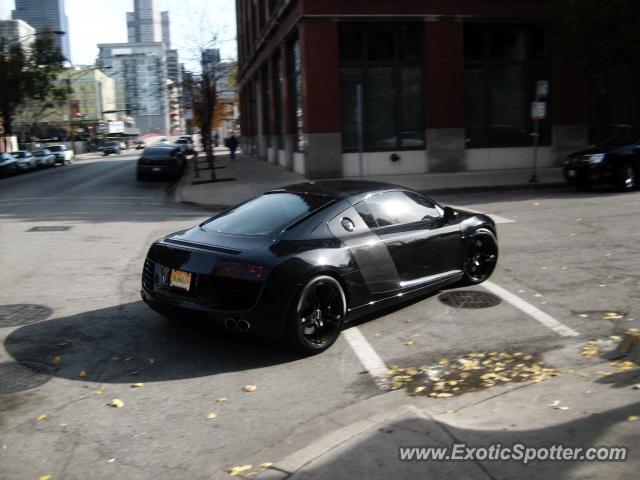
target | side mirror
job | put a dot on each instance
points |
(449, 213)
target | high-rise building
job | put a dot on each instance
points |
(41, 14)
(140, 69)
(147, 24)
(15, 31)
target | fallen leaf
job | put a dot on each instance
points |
(41, 417)
(238, 470)
(266, 464)
(100, 390)
(583, 315)
(408, 343)
(221, 399)
(632, 418)
(57, 359)
(212, 415)
(152, 360)
(83, 373)
(602, 285)
(137, 385)
(111, 460)
(45, 477)
(377, 334)
(636, 386)
(117, 403)
(537, 295)
(128, 359)
(249, 388)
(563, 408)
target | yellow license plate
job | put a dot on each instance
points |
(180, 279)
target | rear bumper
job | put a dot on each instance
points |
(256, 323)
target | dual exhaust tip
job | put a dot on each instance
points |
(240, 325)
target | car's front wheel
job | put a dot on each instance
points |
(481, 256)
(317, 315)
(625, 177)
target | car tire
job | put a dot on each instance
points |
(625, 177)
(480, 257)
(317, 315)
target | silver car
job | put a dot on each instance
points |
(44, 158)
(26, 161)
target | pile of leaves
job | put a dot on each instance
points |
(469, 372)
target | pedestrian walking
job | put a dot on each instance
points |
(232, 144)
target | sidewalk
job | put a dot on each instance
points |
(247, 177)
(579, 408)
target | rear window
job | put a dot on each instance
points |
(158, 153)
(266, 214)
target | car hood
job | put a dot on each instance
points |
(233, 244)
(603, 149)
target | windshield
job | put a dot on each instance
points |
(266, 214)
(18, 154)
(623, 137)
(158, 153)
(56, 148)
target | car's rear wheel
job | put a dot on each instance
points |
(481, 257)
(625, 177)
(317, 315)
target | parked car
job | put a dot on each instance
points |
(111, 147)
(62, 154)
(166, 160)
(301, 261)
(140, 144)
(616, 161)
(44, 158)
(8, 165)
(187, 145)
(26, 161)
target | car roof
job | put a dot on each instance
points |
(340, 189)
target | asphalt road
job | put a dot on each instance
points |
(78, 323)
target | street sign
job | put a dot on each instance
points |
(538, 110)
(542, 88)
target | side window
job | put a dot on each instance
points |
(397, 208)
(365, 212)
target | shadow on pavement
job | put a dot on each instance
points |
(130, 343)
(377, 455)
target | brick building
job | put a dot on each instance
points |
(445, 86)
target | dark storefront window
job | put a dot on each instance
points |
(502, 65)
(296, 94)
(266, 106)
(386, 60)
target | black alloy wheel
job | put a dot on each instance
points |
(480, 257)
(625, 177)
(317, 316)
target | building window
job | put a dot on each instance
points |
(386, 60)
(296, 87)
(502, 65)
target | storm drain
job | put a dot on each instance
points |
(50, 228)
(22, 314)
(469, 299)
(17, 377)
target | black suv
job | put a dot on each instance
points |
(110, 147)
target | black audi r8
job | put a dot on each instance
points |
(299, 261)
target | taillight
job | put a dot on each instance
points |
(243, 271)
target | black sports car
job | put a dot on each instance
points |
(301, 260)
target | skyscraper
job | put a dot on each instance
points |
(41, 14)
(147, 24)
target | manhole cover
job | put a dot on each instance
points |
(50, 228)
(17, 377)
(22, 314)
(469, 299)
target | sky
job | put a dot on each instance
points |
(193, 24)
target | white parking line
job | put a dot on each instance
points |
(542, 317)
(368, 357)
